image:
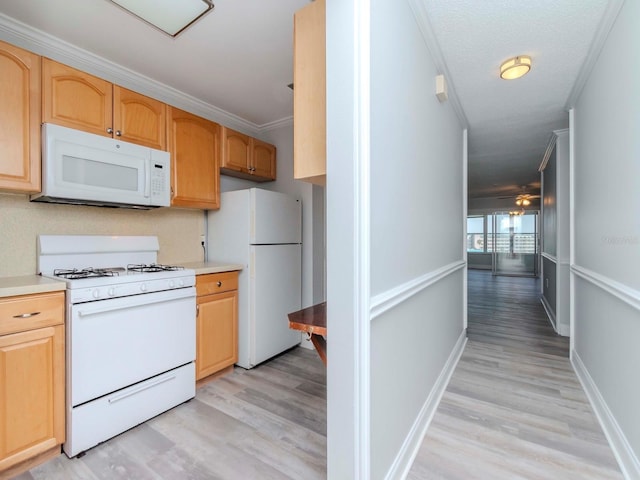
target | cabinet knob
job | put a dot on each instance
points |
(109, 130)
(197, 310)
(118, 133)
(219, 284)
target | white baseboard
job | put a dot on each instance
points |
(564, 330)
(403, 461)
(627, 459)
(560, 329)
(549, 311)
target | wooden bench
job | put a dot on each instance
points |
(313, 321)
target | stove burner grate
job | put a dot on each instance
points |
(153, 267)
(74, 273)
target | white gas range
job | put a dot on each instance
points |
(130, 332)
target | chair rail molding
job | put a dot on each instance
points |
(387, 300)
(628, 295)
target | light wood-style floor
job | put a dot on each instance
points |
(264, 423)
(514, 408)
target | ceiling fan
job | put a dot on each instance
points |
(522, 199)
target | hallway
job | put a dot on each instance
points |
(514, 407)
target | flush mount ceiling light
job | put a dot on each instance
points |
(167, 15)
(515, 67)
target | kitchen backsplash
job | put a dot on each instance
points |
(21, 221)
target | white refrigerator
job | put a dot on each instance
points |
(261, 230)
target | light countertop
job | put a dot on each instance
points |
(28, 284)
(202, 268)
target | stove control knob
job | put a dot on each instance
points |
(172, 284)
(181, 283)
(111, 292)
(143, 287)
(95, 294)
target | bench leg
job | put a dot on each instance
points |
(321, 346)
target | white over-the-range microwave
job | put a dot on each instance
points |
(87, 169)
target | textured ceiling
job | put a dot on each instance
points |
(239, 58)
(511, 122)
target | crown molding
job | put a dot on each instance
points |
(605, 26)
(283, 122)
(552, 142)
(41, 43)
(430, 40)
(548, 151)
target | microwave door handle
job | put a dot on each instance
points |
(147, 179)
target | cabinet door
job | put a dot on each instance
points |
(31, 393)
(19, 119)
(236, 151)
(75, 99)
(309, 93)
(217, 332)
(194, 144)
(139, 119)
(264, 160)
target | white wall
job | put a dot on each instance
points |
(605, 277)
(563, 244)
(312, 232)
(395, 255)
(555, 220)
(312, 198)
(313, 249)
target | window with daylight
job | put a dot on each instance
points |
(475, 234)
(479, 233)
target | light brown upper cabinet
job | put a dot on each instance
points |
(19, 120)
(194, 144)
(264, 159)
(75, 99)
(309, 93)
(139, 119)
(247, 157)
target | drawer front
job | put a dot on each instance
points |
(26, 312)
(216, 283)
(105, 417)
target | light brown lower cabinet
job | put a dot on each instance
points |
(31, 377)
(216, 322)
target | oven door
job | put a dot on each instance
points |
(117, 342)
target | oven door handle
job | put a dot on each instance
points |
(135, 301)
(142, 388)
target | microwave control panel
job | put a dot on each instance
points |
(157, 179)
(160, 179)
